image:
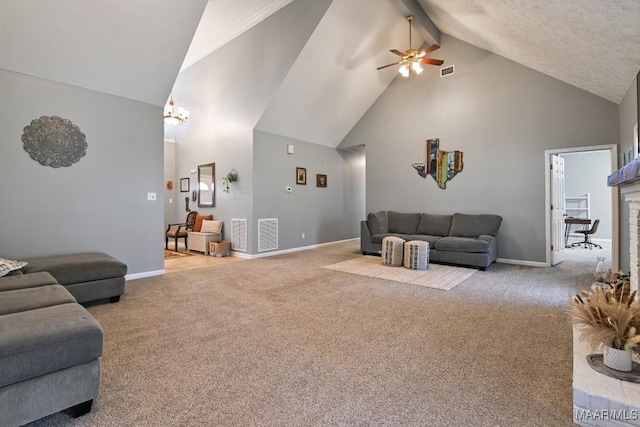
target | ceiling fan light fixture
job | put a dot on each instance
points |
(404, 70)
(416, 67)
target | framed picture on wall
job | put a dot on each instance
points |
(321, 180)
(184, 185)
(301, 176)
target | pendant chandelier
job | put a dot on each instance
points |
(174, 116)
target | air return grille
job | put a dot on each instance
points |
(267, 234)
(447, 71)
(239, 234)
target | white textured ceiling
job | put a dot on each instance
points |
(591, 44)
(131, 49)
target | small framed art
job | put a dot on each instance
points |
(321, 180)
(184, 185)
(301, 176)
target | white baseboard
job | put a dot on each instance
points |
(144, 274)
(521, 262)
(292, 250)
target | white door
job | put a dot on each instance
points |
(557, 210)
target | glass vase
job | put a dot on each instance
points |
(601, 272)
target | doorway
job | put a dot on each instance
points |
(587, 197)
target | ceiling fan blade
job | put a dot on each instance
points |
(397, 52)
(431, 61)
(429, 49)
(389, 65)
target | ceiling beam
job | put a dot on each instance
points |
(421, 22)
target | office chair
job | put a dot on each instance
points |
(587, 236)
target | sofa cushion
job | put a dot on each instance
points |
(463, 225)
(377, 238)
(378, 222)
(425, 238)
(32, 298)
(462, 244)
(23, 281)
(404, 223)
(210, 226)
(77, 268)
(8, 265)
(44, 340)
(199, 219)
(434, 225)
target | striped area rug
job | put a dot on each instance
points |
(444, 277)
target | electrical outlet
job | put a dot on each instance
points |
(303, 235)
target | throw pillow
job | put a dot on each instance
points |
(7, 266)
(211, 226)
(378, 223)
(199, 219)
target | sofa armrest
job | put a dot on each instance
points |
(493, 245)
(365, 238)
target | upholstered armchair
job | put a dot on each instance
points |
(180, 231)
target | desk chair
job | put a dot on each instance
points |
(587, 236)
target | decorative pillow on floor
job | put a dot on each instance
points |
(7, 266)
(211, 227)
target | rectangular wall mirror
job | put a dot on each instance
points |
(207, 185)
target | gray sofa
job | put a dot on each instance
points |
(50, 348)
(88, 276)
(469, 240)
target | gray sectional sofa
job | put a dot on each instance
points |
(50, 348)
(462, 239)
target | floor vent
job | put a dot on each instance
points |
(239, 234)
(267, 234)
(447, 71)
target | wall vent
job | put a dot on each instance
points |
(267, 234)
(447, 71)
(239, 234)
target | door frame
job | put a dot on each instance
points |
(615, 227)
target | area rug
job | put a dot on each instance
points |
(444, 277)
(174, 254)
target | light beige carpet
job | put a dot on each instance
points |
(438, 276)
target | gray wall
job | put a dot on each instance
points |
(322, 214)
(97, 204)
(503, 116)
(628, 110)
(171, 197)
(226, 93)
(587, 172)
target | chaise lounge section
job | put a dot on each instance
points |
(50, 348)
(87, 276)
(461, 239)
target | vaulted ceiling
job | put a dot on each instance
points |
(594, 46)
(135, 49)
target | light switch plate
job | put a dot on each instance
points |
(151, 196)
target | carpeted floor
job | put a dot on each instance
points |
(280, 341)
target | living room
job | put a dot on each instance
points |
(502, 115)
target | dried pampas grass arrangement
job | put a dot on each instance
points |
(609, 317)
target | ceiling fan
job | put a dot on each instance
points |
(412, 58)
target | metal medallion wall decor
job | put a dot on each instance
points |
(441, 165)
(54, 141)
